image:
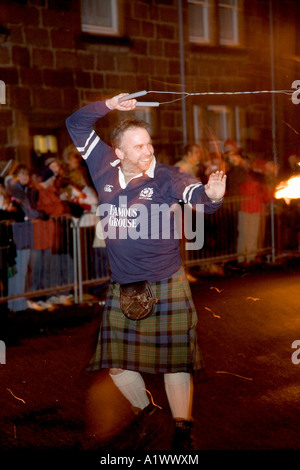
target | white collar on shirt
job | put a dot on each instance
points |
(149, 172)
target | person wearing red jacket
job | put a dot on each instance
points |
(254, 195)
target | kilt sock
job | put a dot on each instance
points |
(132, 386)
(178, 386)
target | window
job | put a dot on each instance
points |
(215, 124)
(228, 17)
(146, 114)
(44, 144)
(214, 22)
(199, 21)
(100, 17)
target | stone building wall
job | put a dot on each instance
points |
(50, 68)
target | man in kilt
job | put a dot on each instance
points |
(149, 320)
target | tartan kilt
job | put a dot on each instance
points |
(164, 342)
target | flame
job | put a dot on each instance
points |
(289, 189)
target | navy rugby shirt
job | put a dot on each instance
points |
(140, 239)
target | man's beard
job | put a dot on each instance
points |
(135, 168)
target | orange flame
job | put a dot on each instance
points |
(289, 189)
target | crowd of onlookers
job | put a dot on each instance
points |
(58, 187)
(39, 245)
(254, 181)
(250, 187)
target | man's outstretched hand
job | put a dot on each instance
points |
(126, 105)
(216, 186)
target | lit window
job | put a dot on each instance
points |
(44, 144)
(100, 17)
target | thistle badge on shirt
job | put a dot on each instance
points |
(146, 193)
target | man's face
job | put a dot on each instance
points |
(54, 167)
(234, 158)
(23, 177)
(195, 155)
(135, 151)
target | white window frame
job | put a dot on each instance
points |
(144, 113)
(206, 38)
(97, 28)
(211, 8)
(235, 23)
(229, 125)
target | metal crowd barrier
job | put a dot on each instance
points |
(272, 233)
(44, 258)
(91, 255)
(63, 255)
(221, 235)
(36, 259)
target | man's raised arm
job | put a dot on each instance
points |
(80, 124)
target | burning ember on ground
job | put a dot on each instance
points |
(289, 189)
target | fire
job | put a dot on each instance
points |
(289, 189)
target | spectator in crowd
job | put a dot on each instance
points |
(4, 198)
(46, 237)
(236, 171)
(54, 165)
(54, 196)
(270, 180)
(213, 163)
(75, 163)
(192, 160)
(271, 171)
(190, 163)
(20, 189)
(294, 164)
(83, 193)
(236, 175)
(290, 166)
(8, 210)
(252, 208)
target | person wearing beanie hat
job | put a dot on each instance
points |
(231, 147)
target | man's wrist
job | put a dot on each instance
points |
(216, 201)
(108, 105)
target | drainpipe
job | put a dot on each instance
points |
(273, 122)
(182, 71)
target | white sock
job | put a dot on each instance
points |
(178, 386)
(132, 386)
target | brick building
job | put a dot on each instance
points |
(57, 55)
